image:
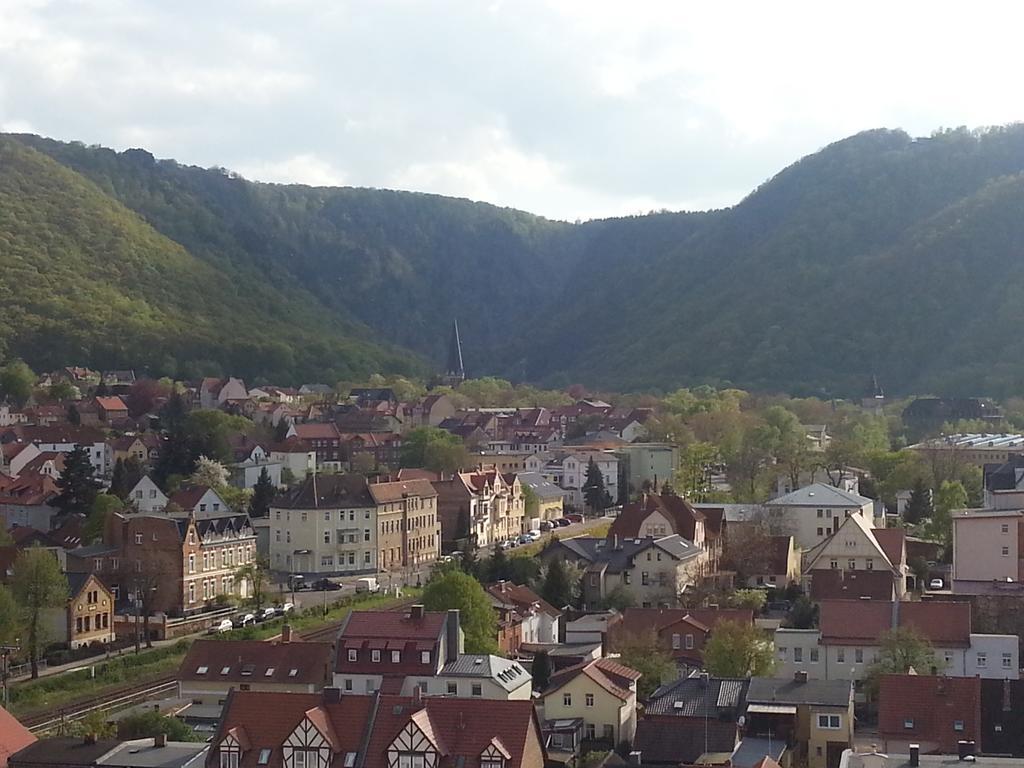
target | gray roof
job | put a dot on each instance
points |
(93, 550)
(819, 495)
(142, 753)
(750, 751)
(695, 697)
(785, 690)
(544, 489)
(509, 674)
(598, 550)
(735, 512)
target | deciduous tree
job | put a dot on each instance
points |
(38, 585)
(738, 650)
(476, 615)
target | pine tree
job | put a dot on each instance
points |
(172, 415)
(119, 481)
(469, 562)
(541, 670)
(919, 507)
(556, 588)
(133, 472)
(262, 495)
(594, 493)
(281, 430)
(77, 483)
(74, 417)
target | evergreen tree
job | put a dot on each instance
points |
(469, 562)
(594, 493)
(541, 670)
(497, 568)
(262, 495)
(102, 390)
(172, 415)
(177, 457)
(119, 481)
(77, 483)
(919, 507)
(281, 430)
(556, 588)
(74, 417)
(133, 472)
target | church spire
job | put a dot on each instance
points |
(455, 370)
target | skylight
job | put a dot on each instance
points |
(264, 757)
(225, 670)
(269, 672)
(202, 670)
(293, 672)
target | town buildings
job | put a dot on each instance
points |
(602, 693)
(483, 505)
(815, 512)
(87, 616)
(988, 550)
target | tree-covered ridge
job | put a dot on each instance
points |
(86, 280)
(880, 254)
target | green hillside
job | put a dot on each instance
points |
(84, 280)
(880, 254)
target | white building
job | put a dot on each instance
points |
(815, 512)
(147, 497)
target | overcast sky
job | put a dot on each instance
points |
(571, 109)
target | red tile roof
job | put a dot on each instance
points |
(113, 403)
(188, 497)
(681, 516)
(862, 622)
(396, 491)
(891, 540)
(316, 431)
(932, 706)
(613, 677)
(837, 584)
(387, 631)
(250, 661)
(13, 736)
(523, 598)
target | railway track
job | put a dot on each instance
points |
(127, 695)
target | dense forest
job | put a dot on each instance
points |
(880, 254)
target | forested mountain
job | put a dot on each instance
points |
(879, 254)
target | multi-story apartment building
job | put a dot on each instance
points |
(407, 524)
(857, 549)
(988, 550)
(171, 565)
(646, 465)
(815, 512)
(325, 526)
(485, 505)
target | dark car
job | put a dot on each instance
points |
(574, 518)
(326, 585)
(563, 521)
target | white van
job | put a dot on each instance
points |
(367, 584)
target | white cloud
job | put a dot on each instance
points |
(570, 108)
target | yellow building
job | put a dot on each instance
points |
(601, 692)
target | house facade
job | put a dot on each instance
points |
(146, 496)
(815, 512)
(988, 549)
(602, 693)
(857, 548)
(407, 523)
(483, 505)
(87, 617)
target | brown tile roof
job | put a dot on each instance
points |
(13, 736)
(931, 706)
(676, 509)
(862, 622)
(837, 584)
(250, 661)
(113, 403)
(522, 597)
(387, 631)
(415, 473)
(27, 490)
(399, 489)
(265, 720)
(316, 431)
(891, 540)
(57, 433)
(327, 492)
(613, 677)
(188, 497)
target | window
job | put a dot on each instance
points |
(1007, 660)
(327, 537)
(798, 654)
(834, 563)
(477, 689)
(870, 564)
(982, 660)
(299, 755)
(675, 641)
(958, 725)
(852, 564)
(264, 757)
(353, 654)
(191, 591)
(688, 642)
(908, 724)
(409, 760)
(453, 689)
(424, 657)
(858, 655)
(840, 655)
(609, 732)
(396, 657)
(366, 534)
(138, 538)
(374, 655)
(590, 731)
(1006, 552)
(830, 722)
(191, 563)
(228, 758)
(1005, 528)
(645, 578)
(348, 683)
(566, 699)
(814, 655)
(588, 700)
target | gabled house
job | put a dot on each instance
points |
(333, 730)
(64, 438)
(14, 737)
(662, 515)
(691, 717)
(147, 497)
(323, 439)
(815, 512)
(87, 616)
(857, 549)
(216, 393)
(27, 500)
(111, 410)
(213, 667)
(602, 693)
(681, 633)
(934, 712)
(537, 620)
(199, 500)
(480, 504)
(655, 571)
(14, 457)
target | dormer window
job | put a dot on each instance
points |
(229, 757)
(396, 657)
(353, 654)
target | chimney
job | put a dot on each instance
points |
(615, 541)
(453, 640)
(965, 750)
(160, 740)
(634, 757)
(915, 755)
(286, 633)
(704, 679)
(800, 676)
(417, 695)
(416, 612)
(332, 695)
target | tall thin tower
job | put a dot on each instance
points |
(455, 372)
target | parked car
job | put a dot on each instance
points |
(507, 544)
(534, 535)
(224, 625)
(326, 585)
(367, 584)
(284, 609)
(574, 518)
(243, 620)
(524, 538)
(546, 525)
(563, 521)
(266, 614)
(935, 584)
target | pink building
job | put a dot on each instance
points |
(988, 546)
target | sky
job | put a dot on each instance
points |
(572, 109)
